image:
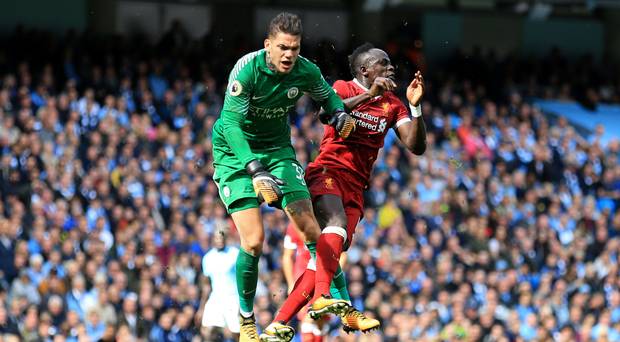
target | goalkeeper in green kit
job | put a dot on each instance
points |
(255, 161)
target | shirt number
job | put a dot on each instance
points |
(300, 173)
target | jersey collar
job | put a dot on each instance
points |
(262, 64)
(359, 84)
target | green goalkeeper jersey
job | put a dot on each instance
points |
(258, 100)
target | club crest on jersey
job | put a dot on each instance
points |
(386, 108)
(292, 93)
(236, 88)
(329, 183)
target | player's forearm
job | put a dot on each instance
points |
(417, 136)
(413, 133)
(352, 102)
(332, 104)
(235, 138)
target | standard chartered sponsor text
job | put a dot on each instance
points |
(362, 120)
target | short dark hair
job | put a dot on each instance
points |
(286, 23)
(355, 58)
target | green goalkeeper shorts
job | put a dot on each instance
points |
(235, 184)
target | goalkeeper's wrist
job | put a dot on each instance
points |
(336, 116)
(416, 111)
(254, 166)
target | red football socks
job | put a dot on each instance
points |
(328, 250)
(301, 294)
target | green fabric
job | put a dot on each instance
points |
(243, 204)
(247, 277)
(312, 248)
(338, 287)
(257, 103)
(235, 184)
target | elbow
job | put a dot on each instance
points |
(417, 149)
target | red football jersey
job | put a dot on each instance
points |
(293, 240)
(358, 152)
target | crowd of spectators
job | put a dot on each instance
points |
(506, 229)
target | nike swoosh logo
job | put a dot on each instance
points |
(258, 97)
(247, 292)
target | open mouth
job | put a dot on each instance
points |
(286, 64)
(391, 76)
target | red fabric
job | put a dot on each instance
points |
(323, 181)
(473, 143)
(328, 248)
(359, 151)
(165, 253)
(301, 294)
(307, 337)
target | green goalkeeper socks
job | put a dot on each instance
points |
(338, 287)
(247, 277)
(312, 248)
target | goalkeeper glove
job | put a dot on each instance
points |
(341, 121)
(266, 185)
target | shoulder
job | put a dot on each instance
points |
(342, 84)
(307, 66)
(246, 63)
(395, 102)
(208, 255)
(249, 57)
(346, 89)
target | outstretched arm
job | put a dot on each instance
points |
(413, 133)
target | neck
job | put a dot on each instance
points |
(362, 82)
(269, 63)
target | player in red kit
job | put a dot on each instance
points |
(341, 171)
(295, 258)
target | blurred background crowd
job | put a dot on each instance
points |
(506, 229)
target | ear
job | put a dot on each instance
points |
(364, 71)
(267, 43)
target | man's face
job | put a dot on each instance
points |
(377, 64)
(219, 240)
(283, 50)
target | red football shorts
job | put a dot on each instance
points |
(324, 181)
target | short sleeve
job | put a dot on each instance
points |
(402, 115)
(341, 88)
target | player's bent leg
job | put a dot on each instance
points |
(330, 212)
(301, 215)
(249, 224)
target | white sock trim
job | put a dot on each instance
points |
(336, 230)
(245, 314)
(311, 264)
